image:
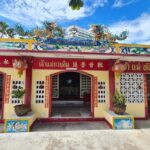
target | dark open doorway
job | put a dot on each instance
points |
(1, 94)
(71, 92)
(69, 85)
(148, 93)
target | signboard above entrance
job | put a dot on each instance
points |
(78, 64)
(75, 64)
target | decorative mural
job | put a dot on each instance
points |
(78, 45)
(51, 37)
(123, 123)
(12, 126)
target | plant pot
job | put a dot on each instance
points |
(120, 110)
(22, 110)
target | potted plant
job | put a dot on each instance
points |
(21, 109)
(119, 106)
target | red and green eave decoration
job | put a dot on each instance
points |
(76, 4)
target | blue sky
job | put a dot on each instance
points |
(133, 15)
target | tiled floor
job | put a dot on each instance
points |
(79, 111)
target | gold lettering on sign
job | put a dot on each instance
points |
(7, 88)
(41, 63)
(65, 64)
(47, 91)
(127, 66)
(136, 67)
(91, 64)
(75, 64)
(6, 62)
(95, 88)
(53, 64)
(83, 64)
(100, 65)
(146, 67)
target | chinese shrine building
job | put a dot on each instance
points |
(73, 84)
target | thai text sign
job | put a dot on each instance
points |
(138, 67)
(79, 64)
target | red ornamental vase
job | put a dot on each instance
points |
(118, 68)
(20, 65)
(120, 110)
(22, 110)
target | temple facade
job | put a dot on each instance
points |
(75, 85)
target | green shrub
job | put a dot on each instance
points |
(118, 99)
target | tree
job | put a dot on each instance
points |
(19, 30)
(3, 28)
(76, 4)
(10, 32)
(29, 33)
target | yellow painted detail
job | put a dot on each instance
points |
(31, 41)
(28, 41)
(131, 45)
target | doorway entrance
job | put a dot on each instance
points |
(148, 93)
(69, 85)
(1, 94)
(71, 95)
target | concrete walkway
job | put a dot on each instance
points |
(78, 136)
(77, 140)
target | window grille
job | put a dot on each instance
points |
(132, 87)
(16, 84)
(39, 92)
(85, 85)
(101, 92)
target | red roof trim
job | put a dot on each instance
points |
(78, 53)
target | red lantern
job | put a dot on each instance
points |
(118, 68)
(20, 65)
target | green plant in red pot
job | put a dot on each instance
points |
(119, 105)
(21, 109)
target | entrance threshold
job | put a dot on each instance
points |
(70, 119)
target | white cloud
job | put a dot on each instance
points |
(122, 3)
(33, 12)
(100, 3)
(139, 31)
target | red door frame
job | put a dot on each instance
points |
(145, 97)
(3, 93)
(81, 72)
